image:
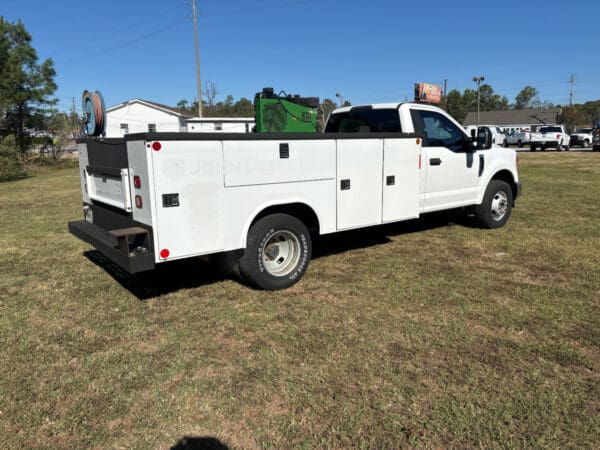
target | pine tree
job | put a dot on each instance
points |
(26, 86)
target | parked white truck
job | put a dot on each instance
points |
(518, 138)
(498, 137)
(150, 198)
(550, 136)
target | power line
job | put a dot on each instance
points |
(113, 32)
(257, 9)
(125, 44)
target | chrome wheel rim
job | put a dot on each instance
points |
(499, 205)
(281, 253)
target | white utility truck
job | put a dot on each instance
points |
(150, 198)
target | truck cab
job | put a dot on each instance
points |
(453, 166)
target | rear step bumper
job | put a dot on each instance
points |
(115, 245)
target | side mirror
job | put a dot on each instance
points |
(484, 138)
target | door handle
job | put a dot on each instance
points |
(435, 161)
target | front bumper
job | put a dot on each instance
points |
(544, 143)
(114, 247)
(578, 140)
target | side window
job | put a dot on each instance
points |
(365, 121)
(441, 132)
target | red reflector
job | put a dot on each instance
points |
(558, 136)
(164, 253)
(156, 146)
(137, 182)
(138, 201)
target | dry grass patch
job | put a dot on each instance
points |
(426, 334)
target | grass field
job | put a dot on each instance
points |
(423, 334)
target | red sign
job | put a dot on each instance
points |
(428, 93)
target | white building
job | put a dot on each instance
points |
(220, 124)
(139, 116)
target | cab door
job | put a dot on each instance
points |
(450, 163)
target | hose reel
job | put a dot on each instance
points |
(94, 114)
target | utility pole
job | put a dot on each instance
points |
(572, 81)
(478, 80)
(74, 114)
(198, 80)
(445, 87)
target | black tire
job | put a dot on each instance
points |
(497, 205)
(520, 144)
(586, 143)
(505, 144)
(532, 148)
(268, 239)
(567, 148)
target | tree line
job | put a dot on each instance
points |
(231, 108)
(458, 105)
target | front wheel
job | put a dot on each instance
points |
(586, 143)
(277, 252)
(497, 204)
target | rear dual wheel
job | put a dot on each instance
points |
(278, 251)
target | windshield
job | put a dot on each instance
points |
(364, 121)
(584, 130)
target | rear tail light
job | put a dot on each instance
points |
(138, 201)
(137, 182)
(558, 136)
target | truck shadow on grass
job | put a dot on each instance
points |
(331, 244)
(196, 272)
(199, 443)
(164, 279)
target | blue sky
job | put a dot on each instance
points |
(370, 51)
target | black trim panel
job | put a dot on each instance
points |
(106, 244)
(106, 152)
(481, 164)
(519, 190)
(97, 170)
